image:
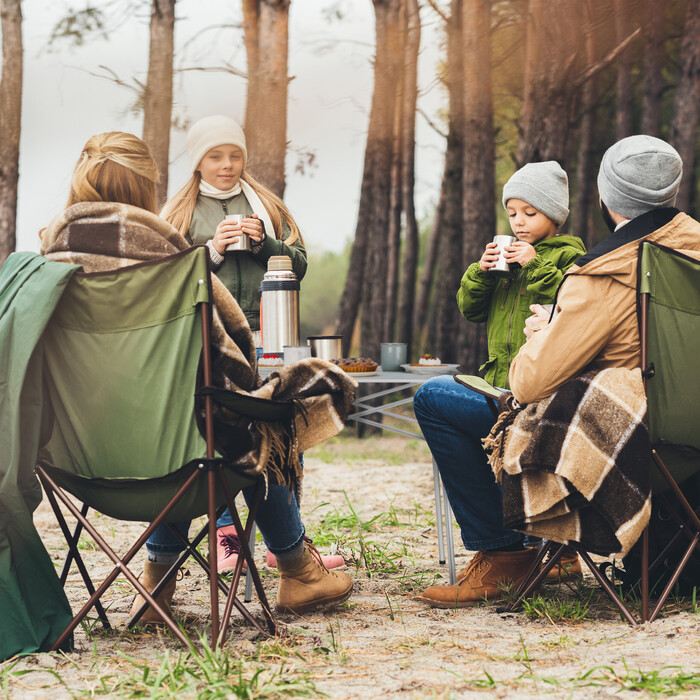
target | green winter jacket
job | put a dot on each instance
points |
(242, 272)
(504, 301)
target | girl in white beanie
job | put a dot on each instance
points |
(221, 185)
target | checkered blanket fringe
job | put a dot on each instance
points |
(574, 468)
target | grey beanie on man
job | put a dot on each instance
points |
(544, 186)
(638, 174)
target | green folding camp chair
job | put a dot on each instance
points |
(128, 373)
(668, 296)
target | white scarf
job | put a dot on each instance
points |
(255, 202)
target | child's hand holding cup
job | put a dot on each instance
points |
(243, 242)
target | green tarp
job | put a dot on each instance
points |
(33, 607)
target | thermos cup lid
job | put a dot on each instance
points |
(279, 262)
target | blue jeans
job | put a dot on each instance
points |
(279, 521)
(454, 419)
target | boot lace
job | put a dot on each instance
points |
(317, 555)
(230, 543)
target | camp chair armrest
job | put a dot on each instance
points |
(250, 406)
(479, 385)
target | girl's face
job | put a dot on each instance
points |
(527, 223)
(222, 166)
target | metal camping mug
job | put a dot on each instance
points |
(502, 267)
(243, 242)
(326, 347)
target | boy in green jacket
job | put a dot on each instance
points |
(454, 419)
(536, 198)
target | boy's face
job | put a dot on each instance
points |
(527, 223)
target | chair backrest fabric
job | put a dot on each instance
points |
(672, 281)
(121, 358)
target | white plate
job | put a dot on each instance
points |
(428, 369)
(264, 371)
(363, 374)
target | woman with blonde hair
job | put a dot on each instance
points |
(221, 185)
(111, 222)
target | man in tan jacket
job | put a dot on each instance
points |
(595, 323)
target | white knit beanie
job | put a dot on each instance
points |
(544, 186)
(210, 132)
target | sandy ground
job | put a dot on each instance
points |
(382, 642)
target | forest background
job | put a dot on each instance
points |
(343, 103)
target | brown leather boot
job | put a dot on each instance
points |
(485, 579)
(152, 574)
(305, 583)
(567, 568)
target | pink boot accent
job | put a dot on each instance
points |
(227, 548)
(330, 561)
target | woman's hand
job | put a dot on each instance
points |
(538, 320)
(519, 252)
(488, 259)
(253, 227)
(227, 232)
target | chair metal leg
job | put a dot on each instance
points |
(676, 574)
(607, 587)
(121, 564)
(437, 484)
(537, 572)
(73, 552)
(449, 538)
(645, 574)
(248, 596)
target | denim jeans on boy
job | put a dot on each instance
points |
(454, 419)
(279, 521)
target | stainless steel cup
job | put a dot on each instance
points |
(243, 242)
(502, 267)
(326, 347)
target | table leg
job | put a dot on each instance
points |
(438, 513)
(449, 539)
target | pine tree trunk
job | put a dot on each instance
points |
(10, 121)
(551, 49)
(265, 24)
(365, 285)
(625, 91)
(653, 67)
(408, 154)
(478, 187)
(449, 267)
(158, 97)
(686, 104)
(584, 158)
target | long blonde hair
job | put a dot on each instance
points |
(179, 208)
(115, 167)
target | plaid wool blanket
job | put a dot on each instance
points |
(574, 468)
(106, 236)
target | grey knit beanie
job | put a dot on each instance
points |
(210, 132)
(544, 186)
(638, 174)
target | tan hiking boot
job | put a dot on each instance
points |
(567, 568)
(485, 579)
(305, 583)
(152, 574)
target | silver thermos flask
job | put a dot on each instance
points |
(279, 305)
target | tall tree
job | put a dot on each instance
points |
(654, 14)
(625, 89)
(408, 155)
(686, 105)
(158, 95)
(266, 25)
(551, 50)
(10, 121)
(478, 186)
(448, 237)
(365, 284)
(584, 159)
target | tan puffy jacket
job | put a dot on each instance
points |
(596, 321)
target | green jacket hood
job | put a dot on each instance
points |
(561, 241)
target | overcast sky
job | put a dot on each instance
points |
(329, 101)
